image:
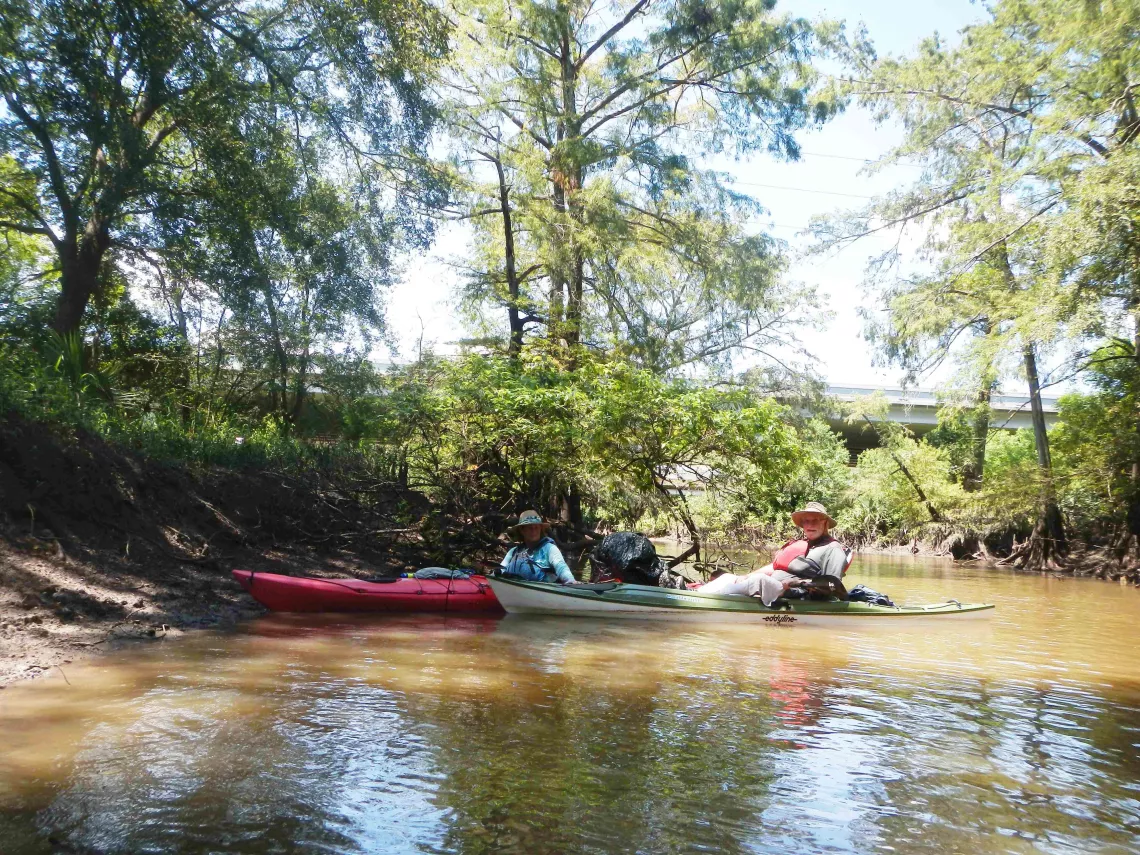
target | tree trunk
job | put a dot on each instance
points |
(572, 508)
(974, 470)
(300, 386)
(513, 316)
(179, 311)
(681, 506)
(566, 181)
(280, 397)
(1047, 545)
(935, 515)
(557, 293)
(571, 515)
(690, 524)
(80, 260)
(1040, 435)
(302, 377)
(574, 297)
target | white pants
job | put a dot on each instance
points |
(766, 582)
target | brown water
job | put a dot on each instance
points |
(1017, 734)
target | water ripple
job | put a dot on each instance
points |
(428, 735)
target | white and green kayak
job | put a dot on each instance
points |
(641, 601)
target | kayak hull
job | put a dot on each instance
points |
(308, 594)
(648, 603)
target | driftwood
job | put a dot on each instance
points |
(692, 550)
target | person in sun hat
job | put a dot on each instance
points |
(816, 561)
(817, 545)
(537, 558)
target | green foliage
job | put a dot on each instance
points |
(71, 366)
(1028, 136)
(121, 118)
(576, 126)
(486, 431)
(206, 205)
(964, 431)
(955, 436)
(898, 487)
(749, 502)
(531, 431)
(42, 393)
(26, 288)
(1012, 489)
(1098, 441)
(882, 502)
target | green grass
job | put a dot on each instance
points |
(164, 431)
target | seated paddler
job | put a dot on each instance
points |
(536, 558)
(812, 564)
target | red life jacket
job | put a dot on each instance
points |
(799, 549)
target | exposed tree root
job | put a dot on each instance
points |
(1047, 548)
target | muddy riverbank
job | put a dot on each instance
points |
(102, 545)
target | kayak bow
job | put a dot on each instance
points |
(641, 601)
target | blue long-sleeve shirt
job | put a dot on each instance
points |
(541, 563)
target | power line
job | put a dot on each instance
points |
(860, 159)
(837, 156)
(767, 225)
(804, 190)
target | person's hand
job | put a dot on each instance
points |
(793, 583)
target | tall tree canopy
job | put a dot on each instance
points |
(113, 109)
(1027, 134)
(580, 128)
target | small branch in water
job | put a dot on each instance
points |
(692, 550)
(91, 643)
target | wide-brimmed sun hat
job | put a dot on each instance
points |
(813, 508)
(528, 518)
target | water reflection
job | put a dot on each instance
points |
(556, 736)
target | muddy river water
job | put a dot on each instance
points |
(537, 735)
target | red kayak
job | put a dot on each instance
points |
(309, 594)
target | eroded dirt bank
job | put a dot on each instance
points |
(100, 546)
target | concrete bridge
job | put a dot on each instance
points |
(918, 410)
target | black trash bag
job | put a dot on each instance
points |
(630, 557)
(441, 573)
(863, 594)
(627, 556)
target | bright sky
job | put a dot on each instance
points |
(827, 179)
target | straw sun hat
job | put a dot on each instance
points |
(813, 508)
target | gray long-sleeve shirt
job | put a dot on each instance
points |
(831, 557)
